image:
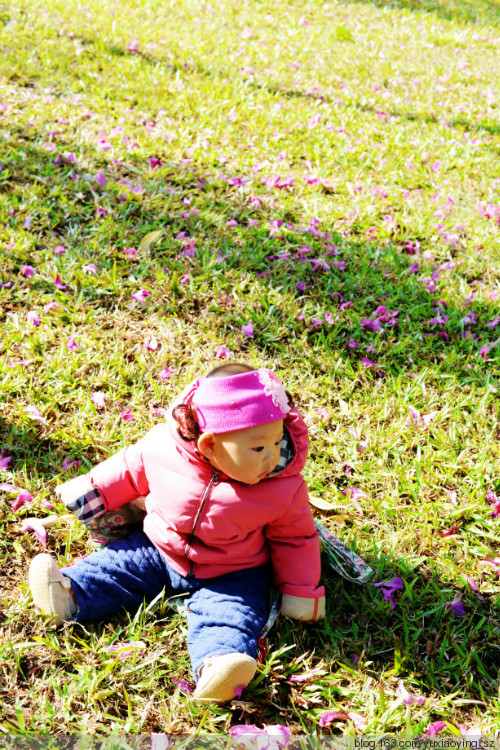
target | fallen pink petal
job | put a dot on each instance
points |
(152, 344)
(100, 178)
(457, 607)
(51, 306)
(38, 528)
(304, 676)
(34, 413)
(68, 464)
(491, 562)
(450, 532)
(166, 373)
(126, 650)
(354, 494)
(33, 318)
(23, 497)
(4, 461)
(71, 343)
(126, 415)
(389, 589)
(435, 728)
(159, 741)
(59, 284)
(248, 330)
(408, 698)
(98, 399)
(141, 295)
(183, 685)
(223, 352)
(330, 716)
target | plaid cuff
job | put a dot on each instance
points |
(88, 506)
(287, 452)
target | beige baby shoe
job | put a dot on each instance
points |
(51, 591)
(221, 676)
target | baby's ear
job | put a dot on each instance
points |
(206, 444)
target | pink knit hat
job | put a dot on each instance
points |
(239, 401)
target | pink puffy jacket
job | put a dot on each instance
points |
(208, 524)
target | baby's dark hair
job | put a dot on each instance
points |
(185, 414)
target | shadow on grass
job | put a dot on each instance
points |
(471, 12)
(421, 640)
(318, 287)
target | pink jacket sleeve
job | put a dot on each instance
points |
(295, 553)
(121, 478)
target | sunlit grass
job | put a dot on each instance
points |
(303, 167)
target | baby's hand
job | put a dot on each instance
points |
(302, 608)
(73, 489)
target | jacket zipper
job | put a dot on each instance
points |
(213, 481)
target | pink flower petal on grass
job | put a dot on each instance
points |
(248, 330)
(71, 343)
(495, 501)
(457, 607)
(277, 732)
(97, 399)
(141, 295)
(100, 178)
(27, 271)
(33, 412)
(50, 306)
(152, 344)
(7, 487)
(23, 497)
(491, 562)
(389, 589)
(450, 532)
(67, 464)
(125, 650)
(166, 373)
(408, 698)
(305, 675)
(126, 415)
(33, 318)
(4, 461)
(435, 728)
(353, 494)
(223, 352)
(159, 741)
(331, 716)
(59, 284)
(183, 685)
(40, 531)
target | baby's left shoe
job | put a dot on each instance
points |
(51, 591)
(221, 676)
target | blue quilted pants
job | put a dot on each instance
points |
(225, 614)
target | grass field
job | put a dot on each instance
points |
(328, 173)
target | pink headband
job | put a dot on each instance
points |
(239, 401)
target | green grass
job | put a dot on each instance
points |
(360, 134)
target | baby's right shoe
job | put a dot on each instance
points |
(51, 591)
(222, 676)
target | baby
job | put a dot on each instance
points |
(227, 514)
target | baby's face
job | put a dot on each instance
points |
(248, 455)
